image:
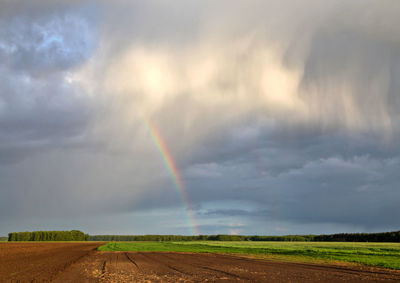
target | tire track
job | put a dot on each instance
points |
(131, 260)
(103, 269)
(167, 265)
(209, 268)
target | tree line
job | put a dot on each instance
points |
(73, 235)
(343, 237)
(360, 237)
(198, 238)
(76, 235)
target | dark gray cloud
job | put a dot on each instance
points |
(45, 38)
(40, 108)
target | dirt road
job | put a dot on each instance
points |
(80, 263)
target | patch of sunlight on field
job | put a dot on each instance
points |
(375, 254)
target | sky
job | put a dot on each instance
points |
(200, 117)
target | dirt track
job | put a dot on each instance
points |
(39, 262)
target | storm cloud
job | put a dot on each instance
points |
(282, 116)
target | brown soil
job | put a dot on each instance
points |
(39, 262)
(78, 262)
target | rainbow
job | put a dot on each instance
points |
(173, 172)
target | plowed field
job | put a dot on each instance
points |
(26, 262)
(79, 262)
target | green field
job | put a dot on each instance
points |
(375, 254)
